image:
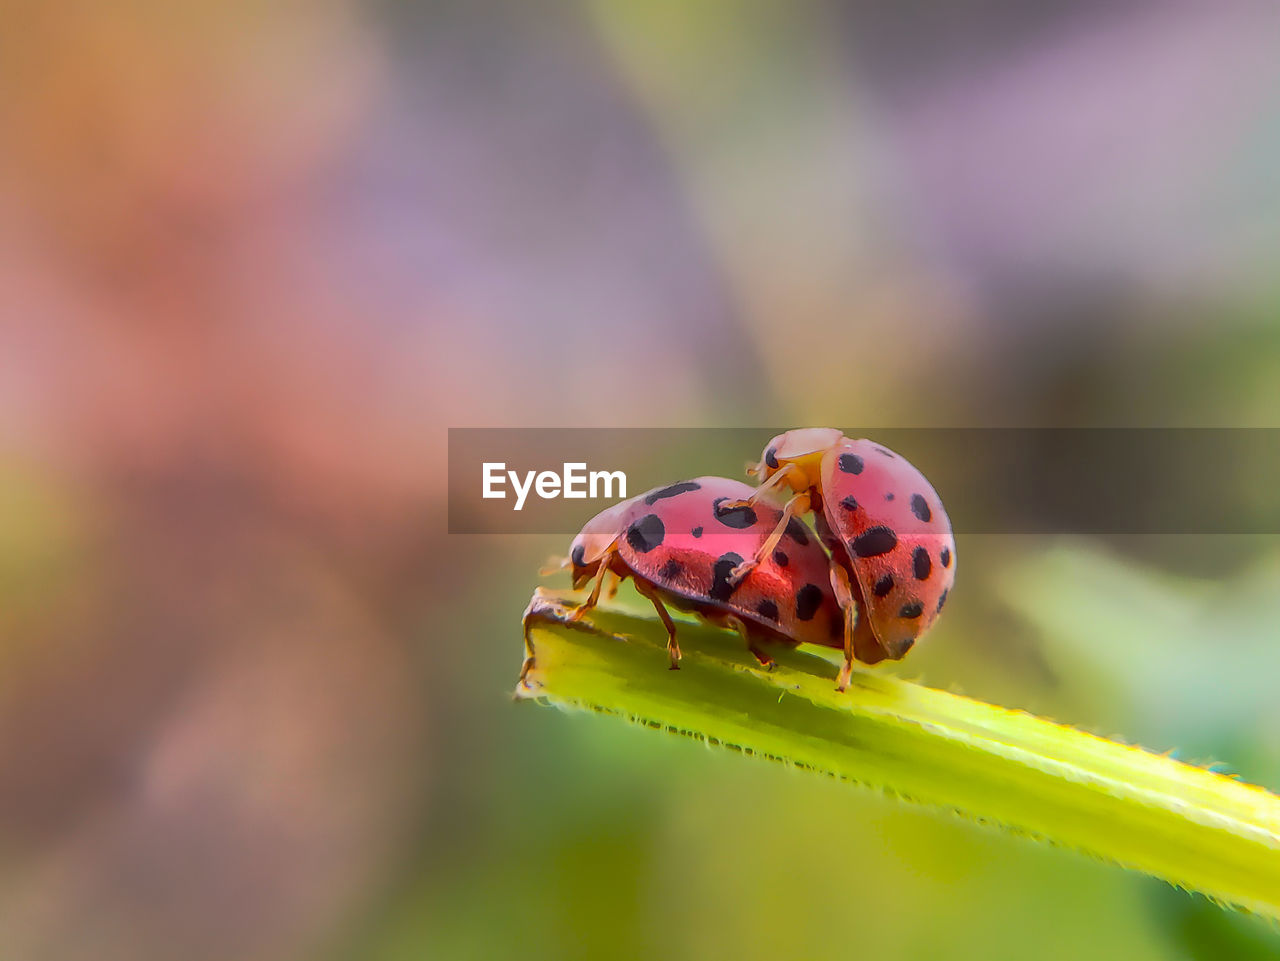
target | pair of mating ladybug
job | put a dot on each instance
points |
(711, 546)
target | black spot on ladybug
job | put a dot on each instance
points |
(808, 598)
(912, 610)
(796, 531)
(720, 586)
(682, 488)
(767, 608)
(579, 556)
(921, 563)
(646, 533)
(849, 503)
(874, 542)
(739, 518)
(780, 558)
(771, 458)
(697, 531)
(888, 496)
(671, 570)
(850, 463)
(883, 586)
(887, 453)
(942, 600)
(945, 557)
(920, 508)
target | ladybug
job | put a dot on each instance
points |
(680, 544)
(893, 556)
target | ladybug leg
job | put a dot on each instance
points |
(759, 653)
(763, 656)
(594, 597)
(673, 648)
(844, 597)
(777, 481)
(614, 584)
(797, 505)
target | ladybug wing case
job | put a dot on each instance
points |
(895, 536)
(687, 545)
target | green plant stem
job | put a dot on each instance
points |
(1192, 827)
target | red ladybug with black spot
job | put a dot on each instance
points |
(893, 556)
(681, 542)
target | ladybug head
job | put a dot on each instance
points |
(594, 541)
(802, 449)
(581, 570)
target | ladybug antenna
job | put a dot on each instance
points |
(553, 565)
(753, 469)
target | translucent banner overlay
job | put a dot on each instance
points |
(992, 480)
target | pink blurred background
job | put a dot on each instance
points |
(255, 259)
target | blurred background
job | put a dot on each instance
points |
(255, 259)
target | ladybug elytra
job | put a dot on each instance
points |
(680, 545)
(893, 556)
